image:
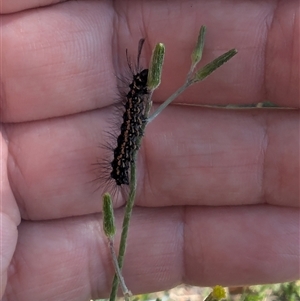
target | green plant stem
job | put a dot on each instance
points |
(125, 290)
(125, 227)
(168, 101)
(198, 76)
(128, 209)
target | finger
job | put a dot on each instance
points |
(56, 61)
(9, 217)
(189, 157)
(200, 246)
(19, 5)
(222, 158)
(73, 71)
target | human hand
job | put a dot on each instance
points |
(218, 190)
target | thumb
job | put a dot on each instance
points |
(9, 217)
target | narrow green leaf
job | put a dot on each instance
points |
(155, 70)
(197, 53)
(214, 65)
(108, 216)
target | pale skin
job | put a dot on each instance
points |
(218, 190)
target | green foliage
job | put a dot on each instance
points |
(208, 69)
(108, 216)
(288, 291)
(155, 69)
(197, 53)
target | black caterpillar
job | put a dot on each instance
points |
(132, 127)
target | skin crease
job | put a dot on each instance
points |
(218, 192)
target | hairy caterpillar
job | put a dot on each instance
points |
(131, 129)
